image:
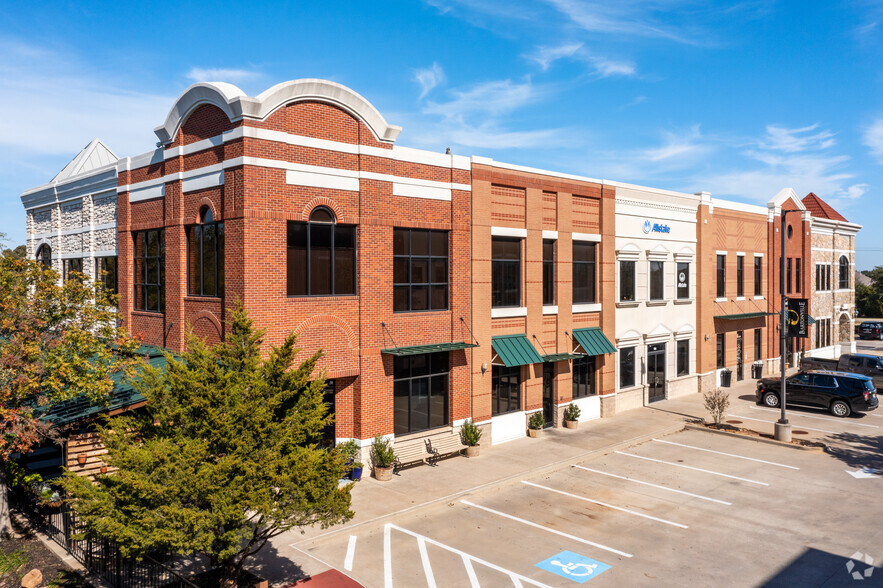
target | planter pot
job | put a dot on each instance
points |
(383, 474)
(356, 474)
(81, 459)
(104, 469)
(472, 450)
(533, 433)
(571, 424)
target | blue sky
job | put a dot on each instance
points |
(738, 99)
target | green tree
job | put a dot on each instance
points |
(57, 341)
(224, 456)
(19, 252)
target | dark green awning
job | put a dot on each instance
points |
(811, 321)
(562, 356)
(744, 315)
(593, 341)
(432, 348)
(515, 350)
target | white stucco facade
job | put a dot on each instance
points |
(653, 227)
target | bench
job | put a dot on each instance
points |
(447, 446)
(427, 450)
(409, 455)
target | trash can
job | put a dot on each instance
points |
(757, 370)
(726, 378)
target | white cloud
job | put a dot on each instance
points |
(546, 56)
(873, 138)
(233, 76)
(682, 147)
(793, 140)
(429, 78)
(600, 66)
(497, 97)
(630, 18)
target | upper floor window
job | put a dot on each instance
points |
(321, 256)
(657, 280)
(420, 270)
(107, 273)
(150, 272)
(72, 268)
(797, 274)
(788, 271)
(584, 272)
(205, 256)
(505, 271)
(44, 255)
(548, 272)
(844, 273)
(683, 278)
(721, 276)
(740, 275)
(626, 281)
(758, 276)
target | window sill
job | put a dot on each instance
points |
(195, 298)
(429, 311)
(580, 308)
(656, 302)
(323, 297)
(684, 300)
(552, 309)
(628, 304)
(724, 299)
(508, 311)
(740, 298)
(148, 313)
(758, 298)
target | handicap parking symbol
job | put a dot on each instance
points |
(573, 566)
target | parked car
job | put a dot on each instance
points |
(840, 392)
(856, 363)
(871, 330)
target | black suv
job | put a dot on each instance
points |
(869, 330)
(840, 392)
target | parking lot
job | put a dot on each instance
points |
(692, 508)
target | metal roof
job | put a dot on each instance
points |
(515, 350)
(593, 341)
(562, 356)
(431, 348)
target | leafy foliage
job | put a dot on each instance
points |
(57, 341)
(382, 453)
(224, 457)
(537, 420)
(716, 401)
(470, 433)
(572, 412)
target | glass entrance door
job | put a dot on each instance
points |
(656, 372)
(549, 393)
(740, 355)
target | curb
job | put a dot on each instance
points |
(497, 484)
(758, 439)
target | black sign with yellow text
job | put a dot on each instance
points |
(797, 318)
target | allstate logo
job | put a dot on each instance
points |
(851, 567)
(647, 226)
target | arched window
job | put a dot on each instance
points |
(321, 256)
(44, 255)
(205, 256)
(844, 273)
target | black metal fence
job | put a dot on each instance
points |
(102, 556)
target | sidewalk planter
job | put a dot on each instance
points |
(535, 424)
(533, 433)
(472, 450)
(356, 472)
(383, 473)
(570, 424)
(383, 457)
(571, 416)
(470, 435)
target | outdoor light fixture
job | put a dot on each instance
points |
(483, 368)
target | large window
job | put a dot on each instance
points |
(683, 281)
(505, 271)
(420, 270)
(205, 256)
(420, 392)
(626, 367)
(758, 276)
(72, 268)
(626, 281)
(721, 351)
(107, 273)
(505, 389)
(844, 273)
(548, 272)
(150, 272)
(584, 272)
(721, 276)
(583, 376)
(740, 275)
(758, 353)
(44, 255)
(683, 357)
(321, 256)
(657, 280)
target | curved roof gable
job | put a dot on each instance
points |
(237, 105)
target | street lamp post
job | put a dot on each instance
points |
(783, 427)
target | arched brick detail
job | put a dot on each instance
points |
(329, 318)
(213, 334)
(206, 201)
(324, 201)
(336, 338)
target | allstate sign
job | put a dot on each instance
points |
(655, 227)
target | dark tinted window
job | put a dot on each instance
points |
(802, 379)
(420, 392)
(657, 280)
(583, 272)
(626, 281)
(626, 367)
(321, 256)
(505, 389)
(505, 272)
(548, 272)
(721, 276)
(420, 270)
(824, 381)
(683, 280)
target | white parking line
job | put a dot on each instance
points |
(654, 485)
(350, 554)
(468, 559)
(427, 567)
(533, 524)
(781, 465)
(810, 416)
(738, 416)
(387, 557)
(598, 502)
(680, 465)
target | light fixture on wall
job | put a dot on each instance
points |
(483, 368)
(707, 336)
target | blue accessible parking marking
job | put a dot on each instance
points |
(573, 566)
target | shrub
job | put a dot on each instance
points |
(382, 454)
(470, 433)
(349, 450)
(717, 402)
(537, 420)
(572, 412)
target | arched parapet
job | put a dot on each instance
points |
(237, 106)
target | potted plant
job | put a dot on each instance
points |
(356, 471)
(350, 451)
(536, 423)
(571, 416)
(81, 459)
(383, 458)
(103, 468)
(49, 496)
(470, 435)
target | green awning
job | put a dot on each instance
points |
(515, 350)
(744, 315)
(562, 356)
(593, 341)
(811, 321)
(432, 348)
